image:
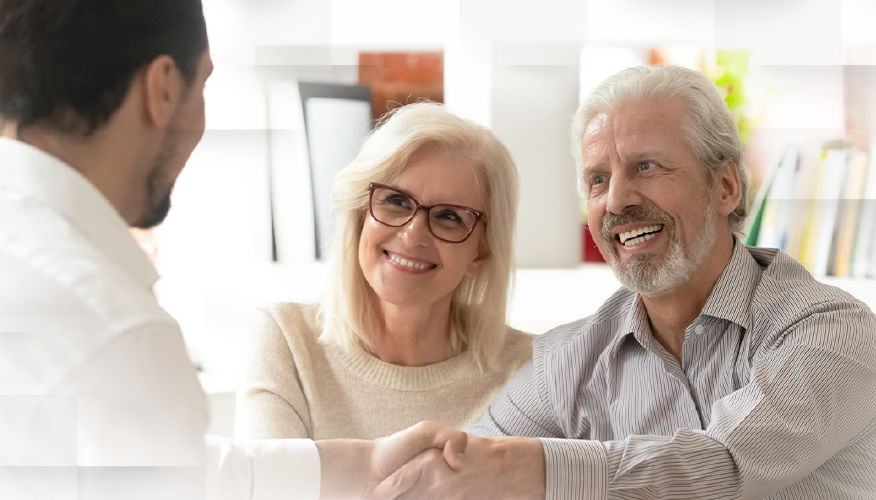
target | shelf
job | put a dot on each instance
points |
(215, 323)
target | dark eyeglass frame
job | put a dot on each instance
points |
(372, 185)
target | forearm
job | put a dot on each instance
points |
(688, 464)
(521, 462)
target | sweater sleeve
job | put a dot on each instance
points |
(270, 403)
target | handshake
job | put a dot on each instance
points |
(429, 461)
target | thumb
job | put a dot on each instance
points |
(454, 450)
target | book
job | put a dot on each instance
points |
(769, 227)
(796, 209)
(848, 215)
(863, 261)
(826, 202)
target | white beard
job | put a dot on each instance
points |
(645, 273)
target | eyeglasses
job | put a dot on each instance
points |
(393, 208)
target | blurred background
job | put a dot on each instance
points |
(298, 84)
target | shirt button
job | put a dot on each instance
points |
(699, 329)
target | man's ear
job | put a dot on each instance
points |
(163, 84)
(729, 188)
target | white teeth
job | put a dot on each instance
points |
(407, 263)
(632, 238)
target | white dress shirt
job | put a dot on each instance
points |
(98, 399)
(773, 398)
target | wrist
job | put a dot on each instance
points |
(522, 465)
(345, 466)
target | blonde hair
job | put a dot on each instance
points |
(478, 306)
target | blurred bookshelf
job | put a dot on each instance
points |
(818, 204)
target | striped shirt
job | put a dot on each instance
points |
(775, 396)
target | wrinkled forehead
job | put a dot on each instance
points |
(639, 123)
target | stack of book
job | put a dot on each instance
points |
(818, 204)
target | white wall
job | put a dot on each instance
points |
(535, 93)
(498, 71)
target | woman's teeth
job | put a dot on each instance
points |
(633, 238)
(407, 263)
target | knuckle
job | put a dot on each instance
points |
(433, 455)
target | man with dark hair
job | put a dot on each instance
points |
(101, 104)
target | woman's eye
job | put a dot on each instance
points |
(599, 179)
(396, 200)
(646, 165)
(449, 215)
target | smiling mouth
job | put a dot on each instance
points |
(639, 236)
(408, 263)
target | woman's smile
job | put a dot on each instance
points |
(408, 264)
(390, 256)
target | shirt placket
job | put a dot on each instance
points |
(689, 412)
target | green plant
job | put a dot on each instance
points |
(729, 75)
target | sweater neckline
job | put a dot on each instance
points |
(369, 368)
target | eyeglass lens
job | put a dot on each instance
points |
(447, 222)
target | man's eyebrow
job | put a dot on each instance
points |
(592, 168)
(645, 155)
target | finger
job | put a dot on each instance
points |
(394, 451)
(454, 450)
(401, 481)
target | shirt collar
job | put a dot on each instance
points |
(634, 322)
(51, 182)
(730, 299)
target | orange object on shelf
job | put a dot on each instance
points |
(399, 78)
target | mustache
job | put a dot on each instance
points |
(636, 214)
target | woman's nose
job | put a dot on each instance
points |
(416, 231)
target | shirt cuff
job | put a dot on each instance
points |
(575, 469)
(285, 469)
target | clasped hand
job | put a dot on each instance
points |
(431, 461)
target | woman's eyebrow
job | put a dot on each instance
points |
(405, 191)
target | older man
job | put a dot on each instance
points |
(101, 104)
(718, 371)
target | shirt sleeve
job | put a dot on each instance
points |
(138, 404)
(519, 410)
(809, 397)
(277, 469)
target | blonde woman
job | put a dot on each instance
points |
(413, 323)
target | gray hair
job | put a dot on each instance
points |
(711, 132)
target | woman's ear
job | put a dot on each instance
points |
(474, 267)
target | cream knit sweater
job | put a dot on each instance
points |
(296, 387)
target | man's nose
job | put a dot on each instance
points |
(623, 194)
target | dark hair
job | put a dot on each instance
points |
(70, 63)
